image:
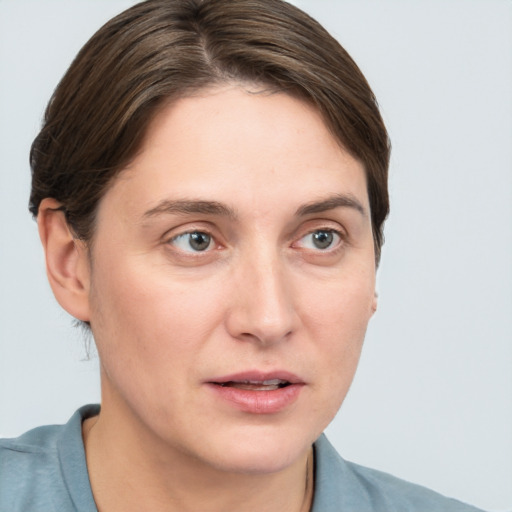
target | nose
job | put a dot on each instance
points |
(262, 306)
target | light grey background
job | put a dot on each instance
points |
(432, 401)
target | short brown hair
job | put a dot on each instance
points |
(160, 50)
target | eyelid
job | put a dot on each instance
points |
(187, 227)
(320, 224)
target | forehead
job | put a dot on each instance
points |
(239, 145)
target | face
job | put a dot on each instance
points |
(232, 280)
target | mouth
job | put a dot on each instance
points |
(258, 392)
(255, 385)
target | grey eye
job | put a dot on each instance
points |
(199, 241)
(322, 239)
(196, 241)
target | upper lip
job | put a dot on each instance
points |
(258, 377)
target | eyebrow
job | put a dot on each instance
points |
(184, 207)
(330, 203)
(187, 206)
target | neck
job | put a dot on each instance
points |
(130, 471)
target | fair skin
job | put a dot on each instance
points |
(236, 247)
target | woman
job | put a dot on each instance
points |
(210, 185)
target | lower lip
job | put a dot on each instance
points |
(258, 402)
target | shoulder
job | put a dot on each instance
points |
(34, 467)
(27, 463)
(341, 485)
(40, 441)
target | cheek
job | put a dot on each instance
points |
(342, 306)
(337, 319)
(145, 311)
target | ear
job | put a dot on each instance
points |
(67, 260)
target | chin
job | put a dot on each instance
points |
(260, 450)
(259, 462)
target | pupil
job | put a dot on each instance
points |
(322, 239)
(199, 241)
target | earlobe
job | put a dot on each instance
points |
(67, 264)
(375, 302)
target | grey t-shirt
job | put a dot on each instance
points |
(44, 470)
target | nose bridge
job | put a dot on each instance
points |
(263, 309)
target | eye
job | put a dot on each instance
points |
(195, 241)
(321, 239)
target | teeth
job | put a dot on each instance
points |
(271, 382)
(257, 385)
